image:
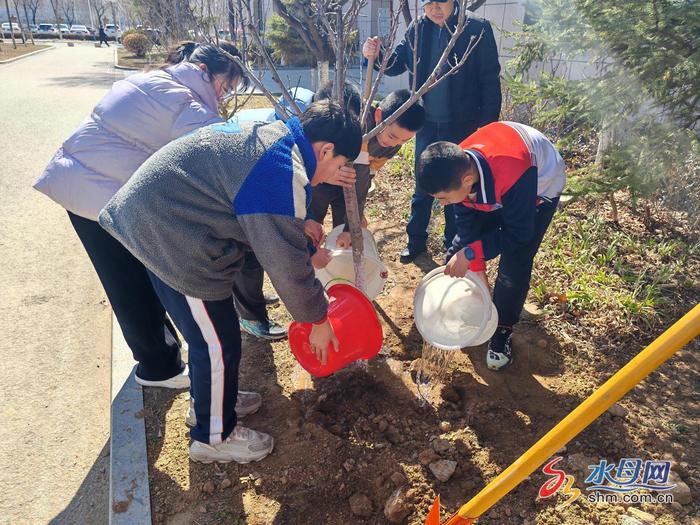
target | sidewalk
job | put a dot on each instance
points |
(55, 320)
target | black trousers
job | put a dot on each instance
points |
(324, 196)
(421, 202)
(515, 266)
(140, 313)
(248, 290)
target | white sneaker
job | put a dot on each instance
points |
(246, 403)
(500, 352)
(242, 446)
(180, 381)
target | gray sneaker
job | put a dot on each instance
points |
(269, 331)
(246, 403)
(242, 446)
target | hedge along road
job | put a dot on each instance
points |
(54, 317)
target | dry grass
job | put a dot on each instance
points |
(7, 51)
(127, 59)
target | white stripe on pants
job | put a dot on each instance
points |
(216, 363)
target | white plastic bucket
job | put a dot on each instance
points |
(453, 313)
(341, 265)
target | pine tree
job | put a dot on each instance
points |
(639, 100)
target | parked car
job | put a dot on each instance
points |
(15, 28)
(34, 28)
(64, 28)
(92, 30)
(47, 29)
(79, 30)
(113, 31)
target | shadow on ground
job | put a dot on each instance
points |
(90, 505)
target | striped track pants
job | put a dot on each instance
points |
(213, 337)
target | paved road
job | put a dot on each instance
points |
(54, 318)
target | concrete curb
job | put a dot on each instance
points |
(117, 66)
(10, 60)
(129, 493)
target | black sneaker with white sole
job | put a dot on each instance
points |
(500, 352)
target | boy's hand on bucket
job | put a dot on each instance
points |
(458, 265)
(344, 240)
(314, 231)
(320, 337)
(321, 258)
(482, 275)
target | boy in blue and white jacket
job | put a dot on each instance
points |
(191, 213)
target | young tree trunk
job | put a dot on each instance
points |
(244, 38)
(26, 17)
(406, 12)
(613, 206)
(323, 72)
(55, 6)
(9, 18)
(231, 19)
(19, 23)
(349, 194)
(605, 140)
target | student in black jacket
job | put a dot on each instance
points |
(456, 107)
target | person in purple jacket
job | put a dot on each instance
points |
(137, 117)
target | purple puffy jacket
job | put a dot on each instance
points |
(136, 118)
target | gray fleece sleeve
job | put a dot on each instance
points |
(281, 247)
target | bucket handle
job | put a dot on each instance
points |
(338, 280)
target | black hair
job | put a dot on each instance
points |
(213, 57)
(327, 121)
(352, 99)
(441, 167)
(412, 119)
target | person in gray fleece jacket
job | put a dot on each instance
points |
(190, 214)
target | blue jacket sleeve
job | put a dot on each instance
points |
(518, 217)
(468, 228)
(489, 77)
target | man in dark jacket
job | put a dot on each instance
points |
(103, 36)
(456, 107)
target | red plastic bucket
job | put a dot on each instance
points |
(356, 327)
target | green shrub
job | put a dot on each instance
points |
(137, 43)
(132, 32)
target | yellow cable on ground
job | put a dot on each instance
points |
(648, 360)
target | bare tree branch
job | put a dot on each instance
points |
(416, 58)
(275, 75)
(323, 18)
(280, 109)
(382, 67)
(476, 4)
(307, 29)
(352, 15)
(69, 12)
(33, 6)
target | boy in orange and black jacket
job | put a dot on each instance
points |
(505, 181)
